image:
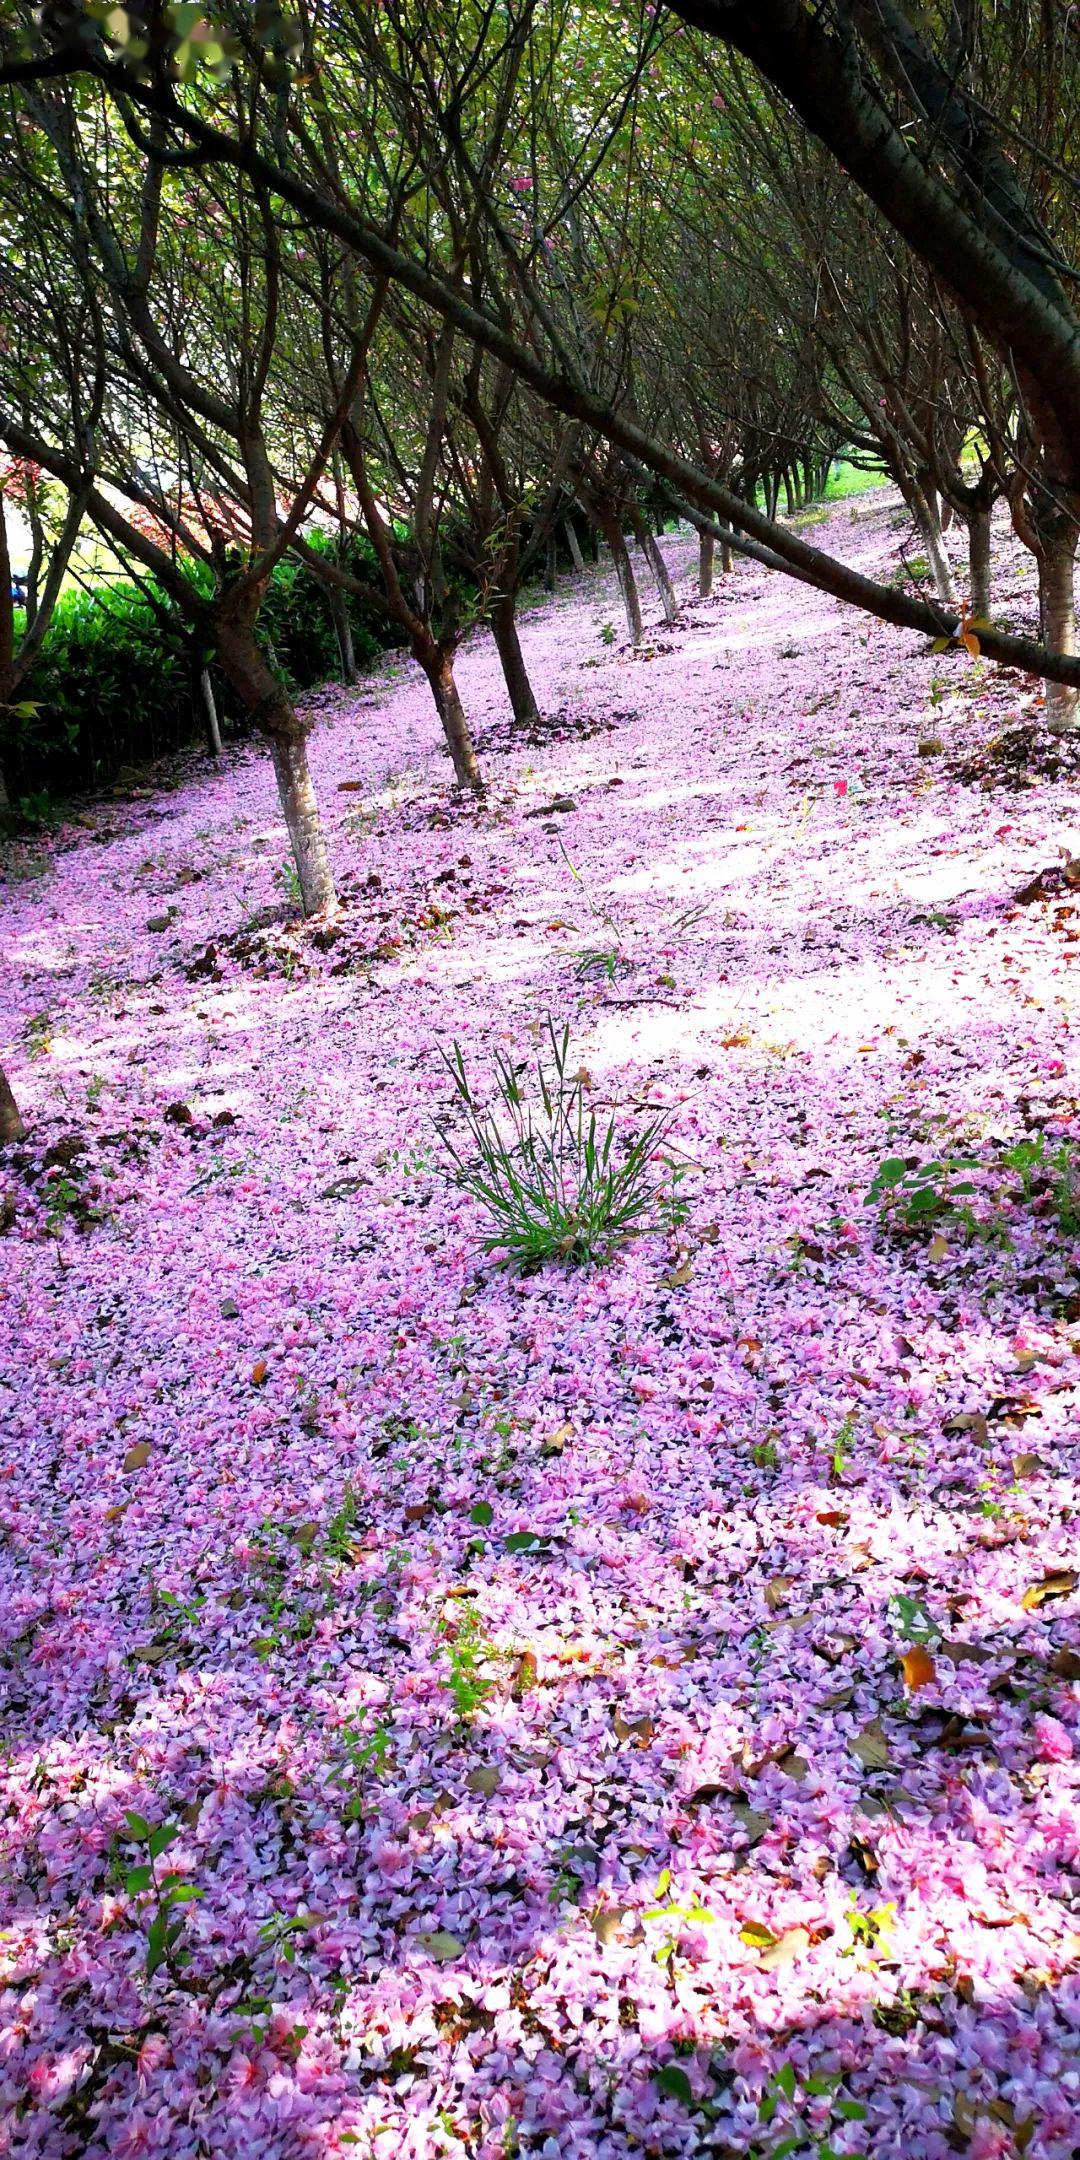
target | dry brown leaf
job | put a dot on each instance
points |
(640, 1729)
(1066, 1664)
(937, 1249)
(258, 1372)
(556, 1441)
(789, 1946)
(677, 1278)
(871, 1747)
(793, 1765)
(967, 1653)
(1061, 1582)
(113, 1514)
(442, 1945)
(751, 1820)
(1026, 1465)
(918, 1667)
(833, 1518)
(525, 1676)
(970, 1421)
(138, 1456)
(485, 1780)
(606, 1923)
(777, 1590)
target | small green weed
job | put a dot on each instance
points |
(913, 1195)
(557, 1184)
(677, 1915)
(163, 1896)
(468, 1651)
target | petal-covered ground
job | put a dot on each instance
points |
(605, 1712)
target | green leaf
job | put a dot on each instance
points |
(851, 2110)
(785, 2078)
(138, 1879)
(522, 1541)
(160, 1839)
(155, 1944)
(138, 1827)
(482, 1513)
(674, 2082)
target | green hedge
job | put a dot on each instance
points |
(116, 682)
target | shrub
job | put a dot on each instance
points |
(557, 1184)
(116, 681)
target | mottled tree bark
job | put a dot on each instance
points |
(210, 713)
(1057, 602)
(438, 666)
(11, 1124)
(706, 552)
(574, 544)
(272, 711)
(624, 571)
(654, 557)
(925, 512)
(979, 562)
(512, 660)
(339, 610)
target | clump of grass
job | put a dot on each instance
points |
(557, 1183)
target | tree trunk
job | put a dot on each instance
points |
(550, 564)
(979, 562)
(7, 815)
(574, 544)
(512, 660)
(272, 712)
(924, 508)
(727, 559)
(654, 557)
(790, 500)
(1058, 608)
(210, 713)
(301, 813)
(11, 1124)
(339, 612)
(706, 552)
(439, 669)
(624, 571)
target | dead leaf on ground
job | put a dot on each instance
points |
(640, 1729)
(606, 1924)
(1066, 1664)
(751, 1820)
(789, 1946)
(485, 1780)
(970, 1421)
(441, 1945)
(556, 1441)
(677, 1278)
(968, 1653)
(918, 1667)
(138, 1456)
(1027, 1465)
(793, 1765)
(1061, 1582)
(259, 1372)
(777, 1591)
(871, 1746)
(938, 1248)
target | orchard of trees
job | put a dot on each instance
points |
(368, 341)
